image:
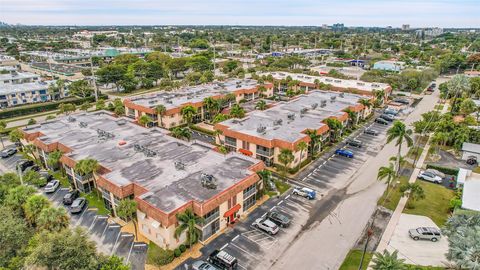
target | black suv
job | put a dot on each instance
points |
(70, 197)
(279, 219)
(354, 143)
(381, 121)
(223, 260)
(24, 163)
(371, 132)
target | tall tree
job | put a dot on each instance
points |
(335, 127)
(188, 223)
(14, 237)
(3, 125)
(387, 173)
(17, 196)
(314, 139)
(33, 206)
(127, 210)
(302, 146)
(237, 111)
(188, 112)
(458, 85)
(53, 219)
(261, 105)
(399, 133)
(160, 110)
(80, 88)
(144, 120)
(414, 190)
(285, 157)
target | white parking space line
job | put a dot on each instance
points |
(280, 202)
(130, 252)
(81, 215)
(235, 238)
(246, 252)
(288, 196)
(116, 240)
(224, 246)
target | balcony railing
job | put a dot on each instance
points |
(266, 153)
(249, 193)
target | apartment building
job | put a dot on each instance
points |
(15, 77)
(308, 82)
(163, 175)
(263, 134)
(193, 96)
(25, 93)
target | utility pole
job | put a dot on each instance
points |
(95, 89)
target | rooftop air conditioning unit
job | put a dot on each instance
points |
(303, 111)
(314, 106)
(82, 124)
(261, 128)
(333, 98)
(342, 95)
(208, 181)
(71, 119)
(291, 116)
(278, 122)
(179, 165)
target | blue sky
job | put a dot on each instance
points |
(417, 13)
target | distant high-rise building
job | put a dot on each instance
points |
(406, 27)
(433, 32)
(338, 26)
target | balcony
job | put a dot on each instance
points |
(249, 193)
(265, 153)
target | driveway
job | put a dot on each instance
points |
(421, 252)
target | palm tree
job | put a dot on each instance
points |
(414, 190)
(17, 196)
(387, 174)
(53, 159)
(144, 120)
(217, 134)
(237, 111)
(261, 105)
(402, 163)
(335, 127)
(53, 219)
(86, 168)
(265, 175)
(188, 223)
(352, 117)
(33, 206)
(15, 135)
(181, 133)
(30, 149)
(365, 102)
(262, 89)
(379, 96)
(127, 210)
(302, 146)
(211, 105)
(285, 157)
(188, 112)
(229, 98)
(399, 132)
(314, 139)
(387, 261)
(160, 110)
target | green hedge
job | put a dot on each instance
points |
(41, 107)
(202, 130)
(445, 170)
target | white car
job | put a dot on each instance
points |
(266, 225)
(52, 186)
(430, 177)
(305, 192)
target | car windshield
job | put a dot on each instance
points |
(419, 230)
(76, 203)
(50, 184)
(68, 195)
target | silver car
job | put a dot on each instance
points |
(202, 265)
(430, 177)
(52, 186)
(425, 233)
(266, 225)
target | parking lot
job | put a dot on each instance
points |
(107, 235)
(256, 249)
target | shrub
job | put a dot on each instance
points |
(177, 252)
(445, 170)
(182, 248)
(159, 256)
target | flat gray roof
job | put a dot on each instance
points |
(169, 187)
(191, 94)
(16, 76)
(6, 89)
(471, 147)
(306, 115)
(361, 85)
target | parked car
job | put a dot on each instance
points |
(472, 160)
(52, 186)
(425, 233)
(71, 196)
(387, 117)
(402, 101)
(371, 132)
(436, 172)
(34, 167)
(305, 192)
(202, 265)
(279, 219)
(6, 153)
(24, 163)
(390, 111)
(266, 225)
(223, 260)
(430, 177)
(354, 143)
(381, 121)
(78, 205)
(344, 152)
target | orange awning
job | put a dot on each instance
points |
(232, 210)
(245, 152)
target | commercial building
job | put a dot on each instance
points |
(193, 96)
(165, 176)
(15, 77)
(263, 134)
(308, 82)
(389, 65)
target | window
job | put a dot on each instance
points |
(249, 191)
(231, 141)
(248, 203)
(3, 97)
(212, 215)
(245, 145)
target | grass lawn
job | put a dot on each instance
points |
(352, 261)
(158, 256)
(63, 180)
(281, 186)
(439, 107)
(415, 152)
(394, 195)
(436, 204)
(419, 267)
(95, 201)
